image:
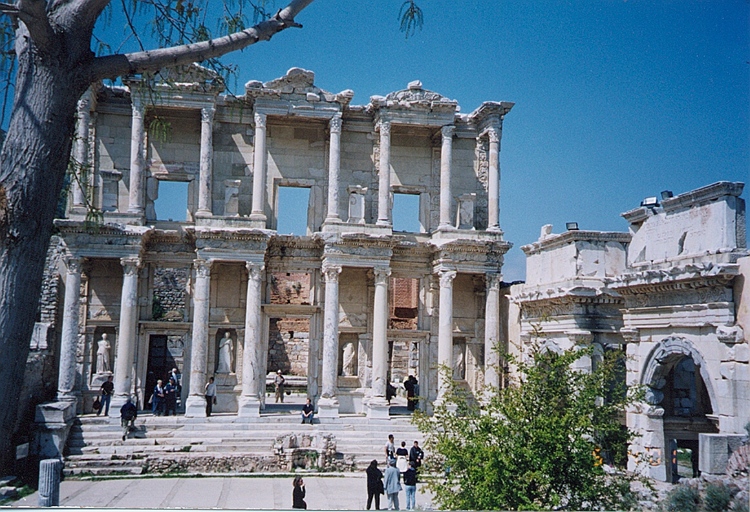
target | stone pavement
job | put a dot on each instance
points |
(335, 492)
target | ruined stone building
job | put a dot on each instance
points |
(354, 303)
(347, 307)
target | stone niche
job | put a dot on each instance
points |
(288, 345)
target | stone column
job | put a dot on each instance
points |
(67, 367)
(334, 166)
(378, 406)
(446, 157)
(328, 405)
(492, 331)
(253, 368)
(127, 332)
(81, 156)
(384, 192)
(259, 170)
(493, 193)
(137, 157)
(445, 330)
(195, 405)
(206, 160)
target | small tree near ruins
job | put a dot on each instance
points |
(542, 443)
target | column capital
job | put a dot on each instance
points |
(254, 270)
(493, 133)
(74, 264)
(207, 113)
(384, 127)
(331, 273)
(381, 274)
(137, 106)
(202, 267)
(580, 337)
(335, 123)
(446, 277)
(131, 264)
(447, 131)
(260, 120)
(493, 280)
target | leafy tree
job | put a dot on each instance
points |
(538, 444)
(47, 57)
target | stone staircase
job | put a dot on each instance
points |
(225, 443)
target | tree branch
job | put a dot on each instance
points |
(152, 60)
(33, 14)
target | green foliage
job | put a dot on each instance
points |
(682, 499)
(538, 444)
(740, 506)
(717, 497)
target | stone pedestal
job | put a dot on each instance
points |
(226, 396)
(52, 424)
(715, 450)
(378, 409)
(328, 409)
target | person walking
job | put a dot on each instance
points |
(298, 494)
(392, 484)
(410, 486)
(210, 396)
(128, 414)
(374, 484)
(278, 382)
(108, 388)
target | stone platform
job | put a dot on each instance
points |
(224, 443)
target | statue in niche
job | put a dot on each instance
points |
(459, 364)
(349, 367)
(226, 349)
(102, 354)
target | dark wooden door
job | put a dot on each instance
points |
(164, 353)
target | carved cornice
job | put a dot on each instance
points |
(688, 277)
(555, 241)
(297, 85)
(414, 97)
(183, 78)
(703, 195)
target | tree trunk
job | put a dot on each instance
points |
(33, 163)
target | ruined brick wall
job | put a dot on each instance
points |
(288, 345)
(51, 296)
(290, 288)
(170, 285)
(404, 303)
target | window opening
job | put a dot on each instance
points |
(292, 211)
(172, 203)
(406, 213)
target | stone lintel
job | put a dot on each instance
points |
(554, 241)
(703, 195)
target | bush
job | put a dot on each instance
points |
(682, 499)
(717, 498)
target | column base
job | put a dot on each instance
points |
(117, 402)
(258, 220)
(249, 407)
(328, 409)
(378, 409)
(195, 407)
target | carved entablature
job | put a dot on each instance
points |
(230, 244)
(168, 241)
(603, 307)
(186, 78)
(288, 246)
(471, 256)
(358, 250)
(106, 240)
(415, 97)
(296, 85)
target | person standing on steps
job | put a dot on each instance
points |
(158, 399)
(390, 449)
(392, 484)
(128, 414)
(108, 388)
(374, 484)
(298, 494)
(210, 396)
(278, 382)
(401, 454)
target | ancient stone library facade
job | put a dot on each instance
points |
(355, 304)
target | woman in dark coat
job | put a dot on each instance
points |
(298, 494)
(374, 484)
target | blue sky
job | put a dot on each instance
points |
(615, 100)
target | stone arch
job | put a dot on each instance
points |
(668, 352)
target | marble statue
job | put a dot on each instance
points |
(459, 365)
(226, 349)
(102, 355)
(349, 362)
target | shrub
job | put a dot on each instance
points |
(717, 498)
(682, 499)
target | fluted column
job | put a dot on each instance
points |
(253, 368)
(195, 405)
(67, 367)
(137, 157)
(492, 331)
(259, 170)
(446, 157)
(445, 330)
(378, 406)
(328, 405)
(206, 160)
(384, 192)
(127, 332)
(334, 166)
(493, 193)
(81, 156)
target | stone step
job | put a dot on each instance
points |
(96, 471)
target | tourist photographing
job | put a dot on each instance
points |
(298, 493)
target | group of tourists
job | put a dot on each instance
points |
(401, 465)
(164, 396)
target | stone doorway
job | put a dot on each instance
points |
(165, 351)
(288, 351)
